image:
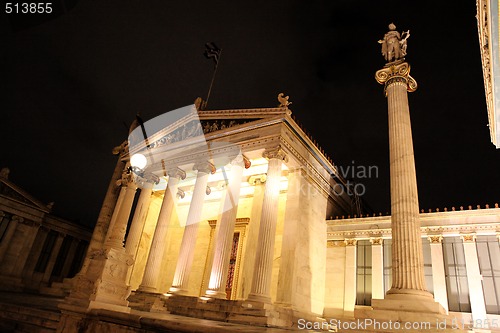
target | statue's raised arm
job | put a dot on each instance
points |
(393, 47)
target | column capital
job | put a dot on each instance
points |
(257, 179)
(335, 243)
(176, 173)
(147, 180)
(205, 167)
(275, 153)
(435, 239)
(180, 193)
(377, 240)
(127, 178)
(396, 73)
(350, 241)
(468, 238)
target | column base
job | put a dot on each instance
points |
(259, 298)
(147, 289)
(178, 291)
(409, 313)
(216, 294)
(395, 293)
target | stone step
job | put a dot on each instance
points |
(24, 319)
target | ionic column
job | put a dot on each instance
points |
(407, 255)
(155, 257)
(116, 234)
(350, 277)
(186, 253)
(377, 268)
(438, 275)
(261, 282)
(474, 279)
(224, 232)
(137, 225)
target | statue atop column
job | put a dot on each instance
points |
(394, 44)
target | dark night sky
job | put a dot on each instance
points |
(68, 84)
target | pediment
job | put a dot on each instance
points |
(189, 124)
(14, 192)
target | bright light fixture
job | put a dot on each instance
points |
(139, 161)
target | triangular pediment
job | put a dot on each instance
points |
(194, 124)
(14, 192)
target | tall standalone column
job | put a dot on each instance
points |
(152, 270)
(224, 232)
(407, 256)
(186, 253)
(261, 282)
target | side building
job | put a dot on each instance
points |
(38, 250)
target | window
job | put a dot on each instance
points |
(488, 252)
(363, 273)
(456, 275)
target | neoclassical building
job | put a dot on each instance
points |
(238, 216)
(38, 250)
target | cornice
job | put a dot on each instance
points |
(484, 31)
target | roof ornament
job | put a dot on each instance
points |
(394, 44)
(4, 173)
(283, 100)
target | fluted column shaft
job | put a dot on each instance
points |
(261, 282)
(407, 255)
(116, 235)
(225, 231)
(186, 253)
(141, 211)
(155, 257)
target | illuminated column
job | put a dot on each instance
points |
(407, 256)
(474, 279)
(116, 235)
(140, 214)
(152, 270)
(224, 232)
(138, 221)
(186, 253)
(377, 268)
(438, 275)
(261, 282)
(350, 277)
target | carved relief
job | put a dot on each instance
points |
(435, 239)
(350, 241)
(468, 238)
(377, 241)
